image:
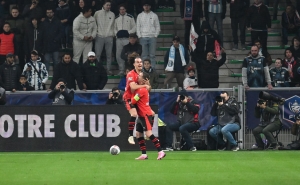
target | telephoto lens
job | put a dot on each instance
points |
(62, 86)
(219, 99)
(115, 94)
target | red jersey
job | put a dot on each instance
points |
(132, 76)
(141, 99)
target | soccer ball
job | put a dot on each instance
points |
(114, 150)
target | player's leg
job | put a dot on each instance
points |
(133, 115)
(141, 140)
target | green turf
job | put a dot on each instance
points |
(178, 168)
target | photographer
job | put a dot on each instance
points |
(61, 95)
(115, 97)
(267, 110)
(226, 108)
(186, 110)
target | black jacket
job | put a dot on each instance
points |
(197, 9)
(258, 17)
(209, 73)
(33, 39)
(26, 85)
(239, 8)
(37, 12)
(69, 72)
(178, 68)
(129, 48)
(10, 75)
(95, 77)
(52, 35)
(64, 12)
(115, 101)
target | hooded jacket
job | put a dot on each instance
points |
(94, 75)
(33, 38)
(105, 21)
(52, 35)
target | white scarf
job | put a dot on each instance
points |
(170, 66)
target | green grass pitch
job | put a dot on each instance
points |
(177, 168)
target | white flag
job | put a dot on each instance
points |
(193, 37)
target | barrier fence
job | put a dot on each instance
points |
(37, 103)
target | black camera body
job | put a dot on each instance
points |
(181, 97)
(62, 86)
(115, 94)
(260, 102)
(219, 99)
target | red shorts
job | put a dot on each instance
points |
(128, 104)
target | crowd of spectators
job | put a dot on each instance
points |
(122, 27)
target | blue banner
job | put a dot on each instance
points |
(287, 111)
(164, 101)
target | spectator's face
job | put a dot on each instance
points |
(61, 3)
(147, 8)
(14, 13)
(81, 3)
(224, 96)
(10, 60)
(176, 44)
(106, 6)
(50, 14)
(6, 27)
(210, 56)
(34, 22)
(296, 42)
(92, 58)
(147, 65)
(258, 45)
(34, 57)
(289, 9)
(278, 64)
(132, 40)
(288, 54)
(67, 59)
(122, 10)
(138, 64)
(254, 51)
(191, 73)
(23, 80)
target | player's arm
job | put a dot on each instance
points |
(135, 98)
(134, 86)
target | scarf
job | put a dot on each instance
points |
(290, 64)
(188, 10)
(170, 66)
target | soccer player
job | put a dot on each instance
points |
(131, 86)
(145, 119)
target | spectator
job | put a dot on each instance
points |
(176, 58)
(227, 110)
(209, 70)
(23, 84)
(190, 15)
(295, 47)
(77, 8)
(68, 70)
(63, 13)
(132, 46)
(255, 72)
(9, 74)
(263, 52)
(33, 10)
(206, 43)
(275, 6)
(36, 72)
(115, 97)
(105, 33)
(290, 23)
(115, 6)
(279, 75)
(152, 73)
(292, 64)
(84, 32)
(122, 83)
(259, 22)
(17, 27)
(61, 95)
(93, 73)
(148, 28)
(52, 29)
(33, 38)
(216, 13)
(186, 110)
(124, 26)
(190, 82)
(238, 13)
(7, 43)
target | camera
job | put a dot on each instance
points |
(62, 86)
(266, 96)
(260, 102)
(115, 94)
(219, 99)
(181, 97)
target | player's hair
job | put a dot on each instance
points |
(131, 59)
(146, 75)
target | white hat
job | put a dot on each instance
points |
(91, 54)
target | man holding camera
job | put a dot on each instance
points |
(226, 108)
(186, 110)
(267, 111)
(114, 97)
(61, 95)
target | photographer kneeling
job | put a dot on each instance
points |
(186, 110)
(267, 111)
(114, 97)
(61, 95)
(226, 108)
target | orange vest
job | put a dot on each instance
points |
(6, 44)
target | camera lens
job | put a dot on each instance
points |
(115, 94)
(62, 86)
(182, 97)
